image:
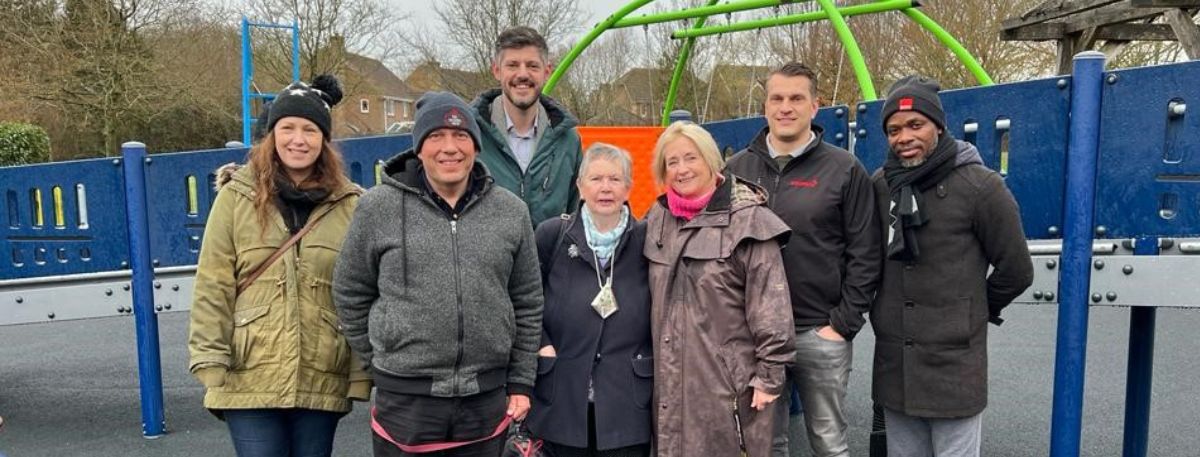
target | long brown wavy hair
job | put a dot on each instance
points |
(329, 173)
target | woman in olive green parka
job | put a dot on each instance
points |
(273, 358)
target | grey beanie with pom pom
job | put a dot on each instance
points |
(312, 102)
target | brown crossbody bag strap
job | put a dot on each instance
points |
(244, 283)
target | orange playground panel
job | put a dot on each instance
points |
(639, 141)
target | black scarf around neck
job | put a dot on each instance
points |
(296, 204)
(907, 202)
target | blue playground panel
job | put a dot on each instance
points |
(1148, 184)
(91, 236)
(1037, 113)
(167, 178)
(736, 134)
(177, 230)
(101, 242)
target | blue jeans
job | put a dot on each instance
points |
(282, 432)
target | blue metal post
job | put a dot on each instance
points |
(1075, 279)
(247, 72)
(295, 50)
(146, 321)
(1139, 369)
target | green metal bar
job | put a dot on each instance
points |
(950, 42)
(587, 41)
(856, 59)
(680, 65)
(856, 10)
(699, 12)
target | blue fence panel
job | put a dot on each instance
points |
(180, 187)
(362, 155)
(1149, 170)
(734, 135)
(1028, 118)
(90, 236)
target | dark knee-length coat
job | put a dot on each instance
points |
(722, 322)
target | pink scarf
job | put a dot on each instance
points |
(688, 208)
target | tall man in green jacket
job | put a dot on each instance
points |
(529, 143)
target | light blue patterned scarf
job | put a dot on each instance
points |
(603, 244)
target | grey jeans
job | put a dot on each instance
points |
(821, 373)
(909, 436)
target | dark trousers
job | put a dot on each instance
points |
(558, 450)
(423, 419)
(282, 432)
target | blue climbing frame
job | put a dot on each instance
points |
(248, 92)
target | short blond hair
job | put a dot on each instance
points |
(701, 138)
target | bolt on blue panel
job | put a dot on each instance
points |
(1020, 130)
(1149, 169)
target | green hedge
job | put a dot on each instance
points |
(22, 144)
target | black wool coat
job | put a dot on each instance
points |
(615, 353)
(931, 316)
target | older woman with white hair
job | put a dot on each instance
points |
(721, 316)
(595, 367)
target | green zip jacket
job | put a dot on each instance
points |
(277, 344)
(548, 185)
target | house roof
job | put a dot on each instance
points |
(738, 75)
(378, 75)
(646, 85)
(431, 75)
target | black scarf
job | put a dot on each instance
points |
(295, 204)
(908, 202)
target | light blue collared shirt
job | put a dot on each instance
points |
(523, 146)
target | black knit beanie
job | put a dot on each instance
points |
(312, 102)
(915, 93)
(437, 110)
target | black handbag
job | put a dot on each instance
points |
(522, 443)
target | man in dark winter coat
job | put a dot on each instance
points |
(438, 287)
(528, 140)
(833, 257)
(948, 219)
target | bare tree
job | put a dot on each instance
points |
(89, 62)
(472, 25)
(92, 74)
(582, 88)
(978, 29)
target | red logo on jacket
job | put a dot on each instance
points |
(803, 183)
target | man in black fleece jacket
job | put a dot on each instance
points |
(833, 258)
(438, 287)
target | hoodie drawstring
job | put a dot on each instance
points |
(404, 238)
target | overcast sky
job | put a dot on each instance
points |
(422, 10)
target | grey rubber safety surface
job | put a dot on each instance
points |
(71, 389)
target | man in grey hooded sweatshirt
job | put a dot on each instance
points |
(948, 219)
(438, 287)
